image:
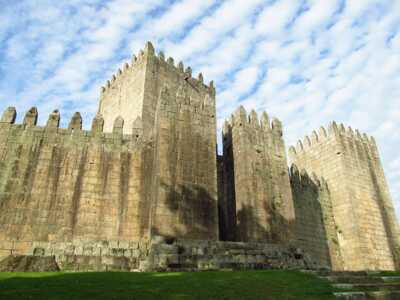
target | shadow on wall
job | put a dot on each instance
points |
(310, 231)
(192, 213)
(388, 218)
(272, 227)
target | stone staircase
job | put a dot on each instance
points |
(364, 285)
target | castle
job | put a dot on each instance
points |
(148, 170)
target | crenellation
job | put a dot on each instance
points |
(31, 117)
(76, 122)
(322, 133)
(161, 55)
(276, 126)
(265, 122)
(149, 48)
(253, 119)
(240, 117)
(181, 67)
(314, 138)
(294, 172)
(170, 61)
(292, 152)
(306, 142)
(200, 78)
(9, 115)
(54, 119)
(333, 128)
(299, 147)
(97, 125)
(350, 132)
(358, 134)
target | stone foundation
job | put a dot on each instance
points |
(170, 255)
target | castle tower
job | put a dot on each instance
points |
(177, 113)
(257, 197)
(367, 229)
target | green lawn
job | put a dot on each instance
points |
(271, 284)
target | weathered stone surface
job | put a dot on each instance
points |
(366, 226)
(144, 189)
(28, 263)
(315, 226)
(158, 254)
(255, 200)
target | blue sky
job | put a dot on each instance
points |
(305, 62)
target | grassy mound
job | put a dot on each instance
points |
(269, 285)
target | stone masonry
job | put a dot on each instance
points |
(256, 179)
(144, 188)
(367, 230)
(316, 229)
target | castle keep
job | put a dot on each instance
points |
(144, 188)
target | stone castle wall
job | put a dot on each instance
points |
(69, 184)
(183, 112)
(315, 226)
(361, 203)
(148, 169)
(177, 112)
(256, 179)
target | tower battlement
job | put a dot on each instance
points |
(240, 118)
(74, 130)
(138, 61)
(334, 132)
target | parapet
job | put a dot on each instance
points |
(334, 132)
(74, 128)
(240, 118)
(149, 51)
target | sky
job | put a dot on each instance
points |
(305, 62)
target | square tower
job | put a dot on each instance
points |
(178, 118)
(367, 228)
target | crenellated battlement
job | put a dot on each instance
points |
(335, 132)
(149, 52)
(241, 119)
(74, 129)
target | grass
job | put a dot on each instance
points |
(269, 285)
